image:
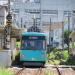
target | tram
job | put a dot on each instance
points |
(33, 49)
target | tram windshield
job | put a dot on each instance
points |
(33, 44)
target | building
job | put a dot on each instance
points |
(3, 13)
(5, 54)
(15, 29)
(43, 10)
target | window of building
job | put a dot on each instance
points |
(73, 11)
(50, 11)
(67, 13)
(37, 1)
(37, 11)
(56, 32)
(15, 10)
(51, 39)
(31, 1)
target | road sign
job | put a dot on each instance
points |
(8, 22)
(9, 19)
(8, 30)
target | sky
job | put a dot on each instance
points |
(28, 0)
(4, 1)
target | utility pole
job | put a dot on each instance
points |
(68, 32)
(21, 22)
(40, 14)
(34, 24)
(8, 6)
(8, 29)
(62, 35)
(50, 35)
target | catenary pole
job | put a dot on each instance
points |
(50, 35)
(62, 35)
(68, 32)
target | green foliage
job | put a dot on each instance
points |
(50, 48)
(57, 56)
(65, 55)
(51, 56)
(48, 72)
(4, 71)
(70, 61)
(66, 36)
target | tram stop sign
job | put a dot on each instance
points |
(9, 17)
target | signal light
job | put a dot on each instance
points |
(8, 22)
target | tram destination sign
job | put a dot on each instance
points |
(34, 37)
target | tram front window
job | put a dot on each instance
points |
(33, 45)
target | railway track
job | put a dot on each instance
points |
(24, 71)
(66, 71)
(39, 71)
(56, 69)
(59, 73)
(20, 71)
(61, 69)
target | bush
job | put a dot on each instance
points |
(65, 55)
(4, 71)
(58, 56)
(48, 72)
(70, 61)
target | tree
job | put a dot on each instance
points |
(66, 37)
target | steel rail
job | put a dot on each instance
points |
(20, 71)
(39, 71)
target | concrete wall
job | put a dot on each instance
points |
(5, 58)
(3, 13)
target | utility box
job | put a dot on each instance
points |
(5, 58)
